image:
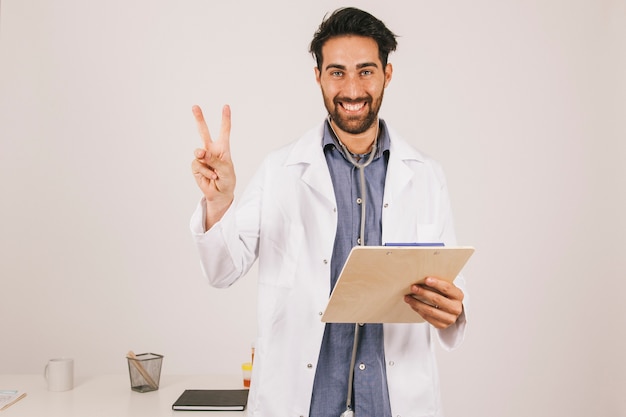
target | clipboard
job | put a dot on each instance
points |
(374, 280)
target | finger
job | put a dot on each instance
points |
(447, 289)
(203, 129)
(428, 297)
(199, 170)
(433, 314)
(225, 128)
(199, 153)
(438, 300)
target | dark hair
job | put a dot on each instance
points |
(352, 21)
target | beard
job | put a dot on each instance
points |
(353, 124)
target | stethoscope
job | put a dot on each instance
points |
(361, 168)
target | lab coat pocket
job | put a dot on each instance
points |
(428, 233)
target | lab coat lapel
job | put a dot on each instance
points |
(404, 190)
(308, 153)
(399, 175)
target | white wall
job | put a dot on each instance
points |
(522, 101)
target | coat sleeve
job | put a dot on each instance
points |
(215, 259)
(454, 335)
(229, 249)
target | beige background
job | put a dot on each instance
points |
(523, 102)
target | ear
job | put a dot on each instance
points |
(388, 74)
(318, 76)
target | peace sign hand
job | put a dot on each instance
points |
(213, 167)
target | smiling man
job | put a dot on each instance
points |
(350, 181)
(353, 81)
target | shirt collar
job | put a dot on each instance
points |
(329, 139)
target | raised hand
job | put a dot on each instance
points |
(213, 167)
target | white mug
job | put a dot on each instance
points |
(59, 373)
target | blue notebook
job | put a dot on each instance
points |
(414, 244)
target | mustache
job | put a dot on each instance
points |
(368, 99)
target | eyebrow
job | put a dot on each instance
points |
(359, 66)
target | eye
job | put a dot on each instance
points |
(336, 74)
(366, 72)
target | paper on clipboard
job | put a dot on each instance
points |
(375, 279)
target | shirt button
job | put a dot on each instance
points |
(391, 363)
(325, 261)
(359, 201)
(362, 367)
(361, 324)
(321, 313)
(309, 365)
(386, 205)
(358, 241)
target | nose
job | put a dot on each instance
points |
(352, 88)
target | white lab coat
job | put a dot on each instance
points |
(287, 218)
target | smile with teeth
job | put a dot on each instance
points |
(353, 107)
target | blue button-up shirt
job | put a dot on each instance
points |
(330, 389)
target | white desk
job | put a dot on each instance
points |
(110, 396)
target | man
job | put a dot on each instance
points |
(350, 181)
